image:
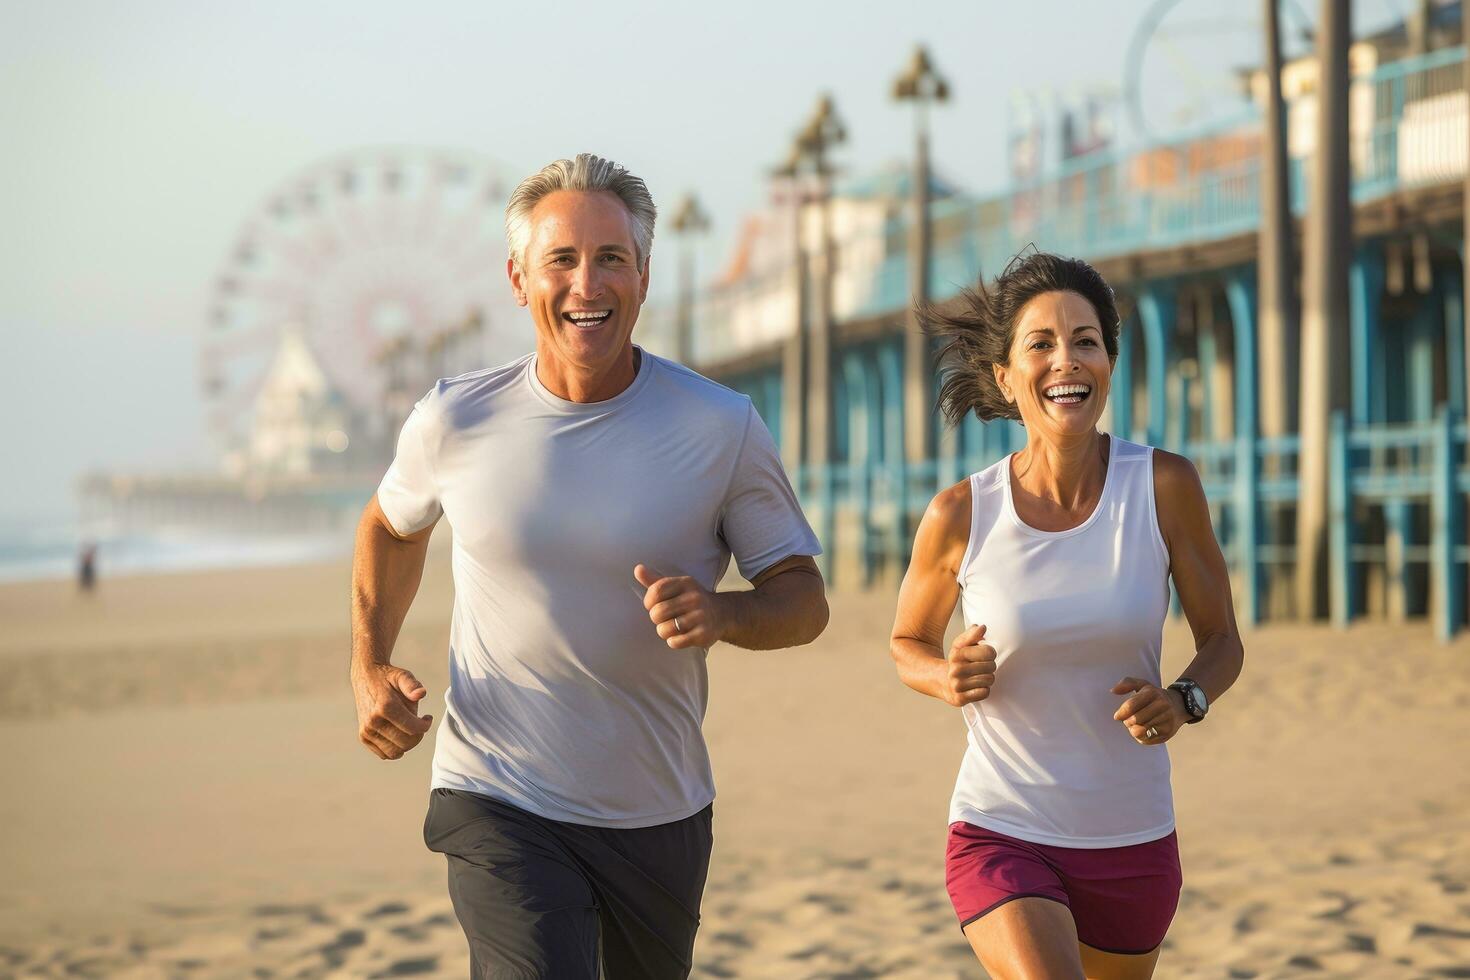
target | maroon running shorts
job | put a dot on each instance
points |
(1122, 898)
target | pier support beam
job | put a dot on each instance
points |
(1122, 388)
(864, 436)
(1420, 390)
(1217, 346)
(895, 469)
(1447, 530)
(767, 396)
(1157, 314)
(1340, 524)
(972, 444)
(1211, 418)
(793, 377)
(1365, 288)
(1396, 563)
(1240, 294)
(1453, 297)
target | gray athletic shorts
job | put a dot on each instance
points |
(540, 898)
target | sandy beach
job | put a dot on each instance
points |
(185, 796)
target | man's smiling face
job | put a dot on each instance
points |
(579, 276)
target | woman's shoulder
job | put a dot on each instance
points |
(949, 511)
(1171, 471)
(944, 531)
(952, 506)
(1179, 497)
(1173, 474)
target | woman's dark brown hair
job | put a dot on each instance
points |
(980, 324)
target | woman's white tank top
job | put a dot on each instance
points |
(1070, 614)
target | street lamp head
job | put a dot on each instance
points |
(826, 126)
(689, 217)
(920, 81)
(822, 131)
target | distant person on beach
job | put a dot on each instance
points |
(87, 567)
(596, 493)
(1062, 858)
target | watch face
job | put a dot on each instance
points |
(1195, 701)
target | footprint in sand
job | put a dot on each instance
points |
(1448, 884)
(98, 967)
(1444, 932)
(335, 952)
(731, 938)
(312, 913)
(807, 953)
(1334, 905)
(1245, 922)
(410, 968)
(385, 910)
(1303, 962)
(831, 903)
(410, 933)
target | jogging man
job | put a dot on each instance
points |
(597, 494)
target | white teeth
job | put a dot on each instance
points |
(599, 315)
(1058, 390)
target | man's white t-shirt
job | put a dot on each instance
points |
(562, 698)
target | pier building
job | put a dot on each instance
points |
(815, 327)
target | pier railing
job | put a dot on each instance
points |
(1397, 502)
(1408, 126)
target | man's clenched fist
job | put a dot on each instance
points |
(388, 699)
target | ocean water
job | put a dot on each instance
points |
(32, 550)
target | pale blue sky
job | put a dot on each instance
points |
(139, 135)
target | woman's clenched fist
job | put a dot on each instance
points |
(969, 671)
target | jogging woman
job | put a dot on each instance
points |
(1062, 860)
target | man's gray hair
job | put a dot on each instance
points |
(587, 172)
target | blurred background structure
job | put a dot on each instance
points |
(1291, 271)
(1335, 474)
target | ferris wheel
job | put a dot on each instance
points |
(361, 256)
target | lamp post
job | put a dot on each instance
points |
(807, 366)
(1324, 334)
(823, 131)
(921, 85)
(1277, 319)
(689, 221)
(794, 357)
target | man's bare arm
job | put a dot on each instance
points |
(786, 607)
(386, 571)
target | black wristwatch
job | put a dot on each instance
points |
(1195, 702)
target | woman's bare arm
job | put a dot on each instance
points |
(927, 599)
(1199, 572)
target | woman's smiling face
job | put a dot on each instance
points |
(1059, 371)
